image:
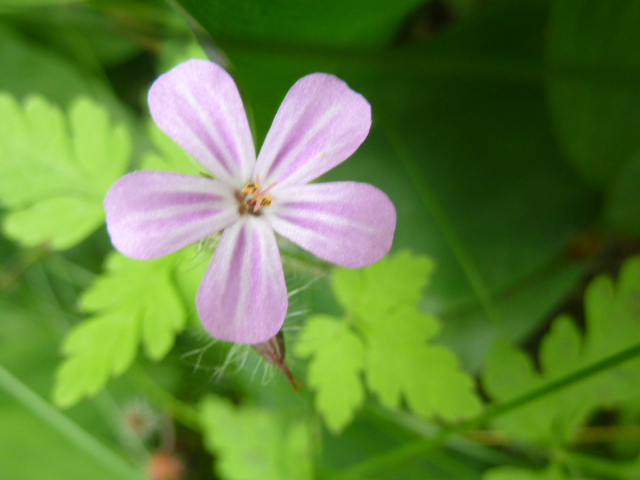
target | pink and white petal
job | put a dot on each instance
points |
(151, 214)
(320, 123)
(347, 223)
(243, 297)
(198, 105)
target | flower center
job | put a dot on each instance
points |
(253, 197)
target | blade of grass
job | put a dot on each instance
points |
(446, 227)
(66, 427)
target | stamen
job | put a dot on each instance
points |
(252, 197)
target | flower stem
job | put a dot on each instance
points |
(66, 427)
(409, 450)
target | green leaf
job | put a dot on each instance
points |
(250, 442)
(134, 302)
(612, 324)
(30, 67)
(303, 22)
(510, 372)
(400, 363)
(392, 347)
(377, 288)
(594, 94)
(623, 200)
(334, 371)
(56, 169)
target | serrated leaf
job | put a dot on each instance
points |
(393, 281)
(134, 302)
(95, 349)
(334, 371)
(56, 169)
(509, 372)
(612, 324)
(400, 363)
(250, 442)
(393, 346)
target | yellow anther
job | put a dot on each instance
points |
(252, 198)
(251, 188)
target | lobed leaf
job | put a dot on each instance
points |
(250, 442)
(389, 283)
(612, 324)
(134, 302)
(338, 359)
(392, 347)
(56, 169)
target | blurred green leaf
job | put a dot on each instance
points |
(134, 302)
(31, 68)
(613, 324)
(623, 201)
(94, 39)
(594, 92)
(392, 347)
(250, 442)
(303, 22)
(29, 343)
(56, 169)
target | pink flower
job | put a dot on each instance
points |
(321, 122)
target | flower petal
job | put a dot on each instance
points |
(243, 297)
(347, 223)
(198, 105)
(320, 123)
(151, 214)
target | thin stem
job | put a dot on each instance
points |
(409, 450)
(66, 427)
(416, 176)
(595, 434)
(180, 411)
(600, 466)
(11, 276)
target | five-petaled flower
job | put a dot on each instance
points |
(321, 122)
